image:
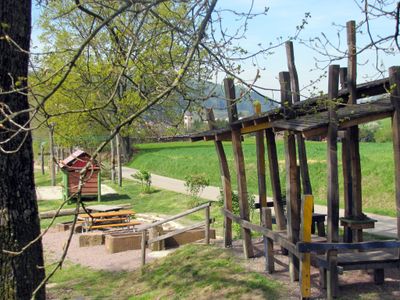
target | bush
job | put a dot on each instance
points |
(145, 179)
(236, 209)
(195, 184)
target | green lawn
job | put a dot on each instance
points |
(192, 271)
(179, 159)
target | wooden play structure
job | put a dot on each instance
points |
(336, 117)
(71, 168)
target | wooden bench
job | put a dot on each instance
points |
(113, 225)
(378, 261)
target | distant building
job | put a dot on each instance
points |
(188, 120)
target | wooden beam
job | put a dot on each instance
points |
(394, 77)
(266, 218)
(301, 146)
(347, 185)
(275, 181)
(293, 205)
(262, 186)
(240, 167)
(353, 131)
(333, 182)
(304, 247)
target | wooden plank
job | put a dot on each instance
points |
(275, 181)
(301, 147)
(293, 205)
(262, 186)
(305, 272)
(333, 183)
(303, 247)
(394, 76)
(268, 243)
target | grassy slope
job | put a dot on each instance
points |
(180, 159)
(193, 271)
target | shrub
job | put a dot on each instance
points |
(236, 209)
(195, 184)
(145, 179)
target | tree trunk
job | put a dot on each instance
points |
(126, 148)
(19, 221)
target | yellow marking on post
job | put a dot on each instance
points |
(305, 280)
(254, 128)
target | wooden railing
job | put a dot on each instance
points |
(206, 223)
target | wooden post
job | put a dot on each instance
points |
(225, 179)
(292, 201)
(275, 181)
(51, 146)
(57, 157)
(268, 243)
(394, 79)
(343, 78)
(207, 226)
(143, 247)
(333, 183)
(119, 163)
(240, 167)
(262, 186)
(42, 157)
(305, 272)
(353, 131)
(99, 185)
(301, 146)
(112, 160)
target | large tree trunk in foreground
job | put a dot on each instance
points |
(19, 221)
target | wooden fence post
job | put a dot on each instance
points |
(119, 163)
(240, 167)
(268, 243)
(225, 179)
(292, 201)
(112, 160)
(262, 186)
(143, 247)
(333, 183)
(305, 275)
(394, 79)
(51, 146)
(207, 226)
(42, 157)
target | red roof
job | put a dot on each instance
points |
(71, 160)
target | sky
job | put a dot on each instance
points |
(281, 20)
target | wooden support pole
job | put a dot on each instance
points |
(207, 226)
(353, 131)
(305, 266)
(42, 157)
(301, 146)
(275, 181)
(143, 247)
(52, 155)
(292, 201)
(394, 78)
(240, 167)
(333, 182)
(343, 78)
(112, 160)
(119, 163)
(262, 186)
(225, 179)
(268, 243)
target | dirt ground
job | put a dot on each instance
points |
(353, 284)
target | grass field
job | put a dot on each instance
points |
(179, 159)
(193, 271)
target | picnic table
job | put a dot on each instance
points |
(108, 219)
